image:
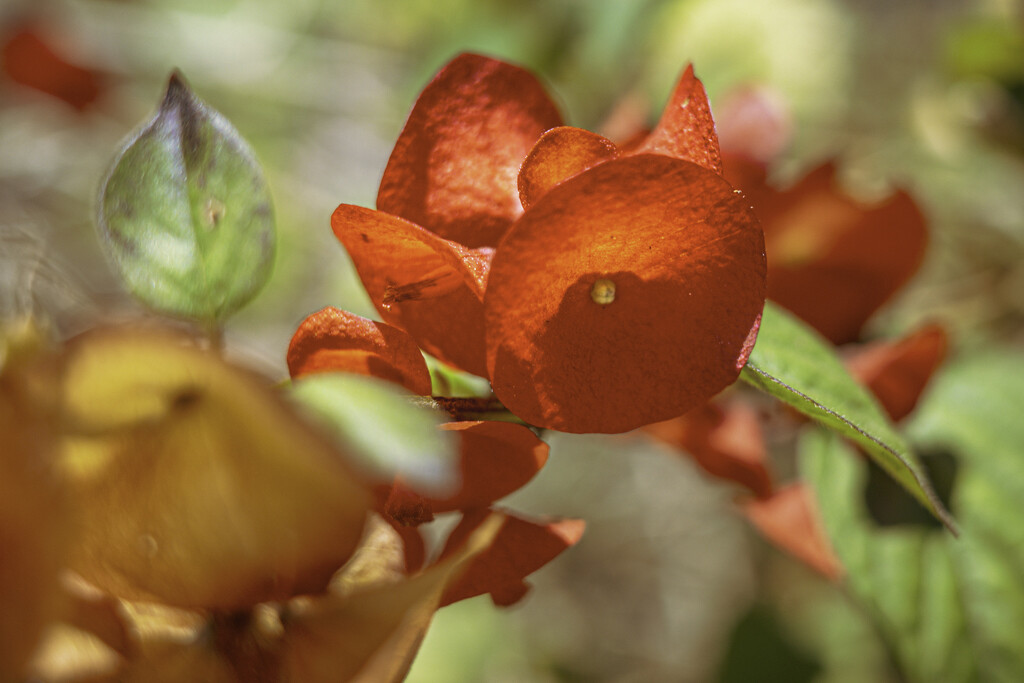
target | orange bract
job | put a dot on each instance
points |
(430, 287)
(686, 258)
(897, 372)
(520, 548)
(454, 165)
(686, 130)
(560, 153)
(728, 443)
(336, 340)
(30, 60)
(834, 261)
(789, 519)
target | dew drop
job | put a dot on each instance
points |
(603, 292)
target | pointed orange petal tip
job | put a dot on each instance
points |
(454, 166)
(560, 154)
(686, 130)
(333, 340)
(627, 295)
(428, 286)
(520, 548)
(789, 519)
(898, 372)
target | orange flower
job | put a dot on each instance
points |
(628, 292)
(495, 459)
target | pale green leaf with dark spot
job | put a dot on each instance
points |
(185, 213)
(793, 363)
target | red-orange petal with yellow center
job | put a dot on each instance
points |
(789, 519)
(686, 130)
(833, 261)
(453, 169)
(559, 154)
(496, 459)
(727, 443)
(430, 287)
(521, 547)
(627, 295)
(898, 372)
(333, 340)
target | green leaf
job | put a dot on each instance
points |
(905, 576)
(185, 213)
(378, 424)
(973, 410)
(793, 363)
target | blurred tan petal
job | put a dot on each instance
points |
(33, 532)
(373, 635)
(195, 485)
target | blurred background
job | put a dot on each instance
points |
(668, 584)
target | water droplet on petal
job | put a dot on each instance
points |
(603, 292)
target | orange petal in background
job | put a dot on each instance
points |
(727, 443)
(28, 59)
(425, 285)
(789, 519)
(559, 154)
(453, 169)
(336, 340)
(497, 458)
(520, 548)
(897, 372)
(833, 261)
(627, 295)
(686, 130)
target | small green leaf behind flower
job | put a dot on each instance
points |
(185, 212)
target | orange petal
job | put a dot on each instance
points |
(497, 458)
(627, 295)
(897, 372)
(833, 261)
(686, 130)
(520, 548)
(559, 154)
(425, 285)
(789, 519)
(336, 340)
(727, 443)
(30, 60)
(454, 166)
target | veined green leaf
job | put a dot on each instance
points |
(185, 213)
(793, 363)
(905, 576)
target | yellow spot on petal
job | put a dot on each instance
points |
(603, 292)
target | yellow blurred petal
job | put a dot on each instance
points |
(32, 524)
(71, 655)
(371, 636)
(195, 485)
